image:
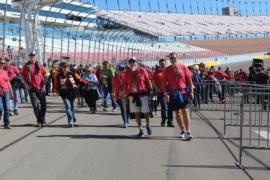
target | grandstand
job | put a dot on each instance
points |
(86, 34)
(180, 25)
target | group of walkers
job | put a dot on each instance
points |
(134, 88)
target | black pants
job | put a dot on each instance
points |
(39, 104)
(91, 98)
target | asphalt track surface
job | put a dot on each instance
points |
(101, 150)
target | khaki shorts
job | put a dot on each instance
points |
(143, 109)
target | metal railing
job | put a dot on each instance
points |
(254, 123)
(224, 97)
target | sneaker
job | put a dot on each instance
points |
(114, 109)
(11, 114)
(182, 135)
(170, 124)
(188, 136)
(75, 124)
(105, 110)
(141, 134)
(125, 125)
(7, 127)
(162, 124)
(16, 113)
(149, 130)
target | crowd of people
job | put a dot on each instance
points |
(137, 90)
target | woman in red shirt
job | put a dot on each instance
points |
(5, 88)
(118, 93)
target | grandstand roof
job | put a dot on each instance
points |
(171, 25)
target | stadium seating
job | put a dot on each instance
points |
(167, 25)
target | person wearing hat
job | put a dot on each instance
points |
(90, 90)
(137, 86)
(106, 74)
(13, 74)
(35, 78)
(64, 84)
(118, 93)
(5, 90)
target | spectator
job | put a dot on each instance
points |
(5, 89)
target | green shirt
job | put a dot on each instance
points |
(107, 75)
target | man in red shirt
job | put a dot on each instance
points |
(13, 72)
(158, 78)
(137, 85)
(178, 87)
(34, 76)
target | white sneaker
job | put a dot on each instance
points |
(182, 135)
(187, 136)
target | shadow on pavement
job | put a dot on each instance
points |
(217, 167)
(112, 137)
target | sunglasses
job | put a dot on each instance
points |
(172, 58)
(64, 66)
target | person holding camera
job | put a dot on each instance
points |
(65, 85)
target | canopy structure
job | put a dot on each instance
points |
(79, 32)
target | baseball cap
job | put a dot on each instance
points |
(120, 67)
(133, 59)
(32, 53)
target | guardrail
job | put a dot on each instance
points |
(224, 97)
(244, 105)
(254, 123)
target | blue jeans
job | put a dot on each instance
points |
(106, 93)
(124, 110)
(5, 104)
(70, 110)
(39, 104)
(23, 94)
(15, 104)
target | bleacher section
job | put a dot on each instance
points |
(91, 50)
(168, 25)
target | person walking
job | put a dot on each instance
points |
(107, 74)
(5, 94)
(158, 78)
(13, 73)
(34, 75)
(177, 82)
(90, 90)
(64, 83)
(118, 93)
(137, 86)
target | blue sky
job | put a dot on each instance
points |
(247, 7)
